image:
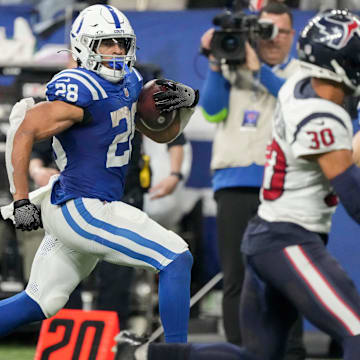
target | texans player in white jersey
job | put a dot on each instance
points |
(90, 114)
(309, 160)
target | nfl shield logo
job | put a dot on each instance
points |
(126, 92)
(250, 118)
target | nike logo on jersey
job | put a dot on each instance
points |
(322, 122)
(65, 80)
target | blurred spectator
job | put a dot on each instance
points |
(241, 100)
(322, 5)
(13, 2)
(141, 5)
(192, 4)
(170, 166)
(257, 5)
(254, 5)
(289, 3)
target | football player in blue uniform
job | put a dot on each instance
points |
(289, 269)
(90, 113)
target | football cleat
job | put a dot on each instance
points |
(126, 345)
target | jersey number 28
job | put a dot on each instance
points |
(124, 113)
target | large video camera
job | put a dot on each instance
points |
(228, 44)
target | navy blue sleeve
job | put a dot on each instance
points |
(347, 187)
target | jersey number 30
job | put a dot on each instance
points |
(326, 137)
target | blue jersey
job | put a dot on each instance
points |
(93, 156)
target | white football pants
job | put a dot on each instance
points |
(83, 231)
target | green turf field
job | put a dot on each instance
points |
(20, 351)
(17, 352)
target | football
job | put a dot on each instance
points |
(149, 115)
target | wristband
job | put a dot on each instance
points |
(179, 175)
(22, 202)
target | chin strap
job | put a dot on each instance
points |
(111, 75)
(67, 50)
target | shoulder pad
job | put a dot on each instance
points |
(135, 73)
(135, 81)
(320, 133)
(76, 87)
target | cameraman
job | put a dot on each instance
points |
(241, 99)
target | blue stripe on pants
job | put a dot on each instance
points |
(124, 250)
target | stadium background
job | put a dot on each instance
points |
(171, 41)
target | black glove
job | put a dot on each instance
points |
(175, 96)
(27, 215)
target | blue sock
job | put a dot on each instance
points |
(174, 298)
(18, 310)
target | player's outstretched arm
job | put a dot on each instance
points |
(334, 163)
(41, 121)
(167, 185)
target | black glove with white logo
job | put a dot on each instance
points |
(27, 215)
(175, 96)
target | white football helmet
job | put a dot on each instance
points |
(95, 24)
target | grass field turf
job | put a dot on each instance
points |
(15, 351)
(19, 345)
(18, 351)
(22, 346)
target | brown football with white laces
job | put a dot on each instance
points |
(150, 116)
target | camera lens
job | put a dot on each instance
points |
(230, 43)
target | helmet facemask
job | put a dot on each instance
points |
(112, 67)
